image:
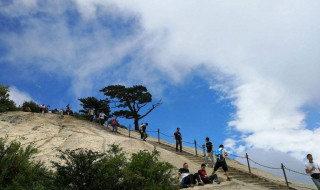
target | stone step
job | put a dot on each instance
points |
(234, 173)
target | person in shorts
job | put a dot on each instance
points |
(221, 161)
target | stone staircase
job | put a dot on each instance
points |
(234, 173)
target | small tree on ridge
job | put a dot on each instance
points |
(130, 100)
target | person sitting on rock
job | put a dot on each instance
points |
(205, 178)
(188, 179)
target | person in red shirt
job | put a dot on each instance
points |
(204, 176)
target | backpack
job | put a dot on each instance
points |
(113, 122)
(219, 155)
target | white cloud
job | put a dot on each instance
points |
(18, 96)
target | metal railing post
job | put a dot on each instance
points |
(129, 129)
(195, 146)
(248, 162)
(204, 150)
(284, 173)
(158, 135)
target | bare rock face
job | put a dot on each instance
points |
(51, 133)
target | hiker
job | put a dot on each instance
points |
(42, 109)
(91, 114)
(188, 179)
(178, 138)
(209, 153)
(102, 116)
(221, 161)
(313, 170)
(143, 133)
(68, 110)
(61, 112)
(205, 178)
(115, 124)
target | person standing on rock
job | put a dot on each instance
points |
(178, 138)
(42, 109)
(102, 116)
(221, 161)
(91, 114)
(313, 170)
(209, 153)
(115, 124)
(68, 110)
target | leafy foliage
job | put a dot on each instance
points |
(130, 100)
(5, 103)
(17, 171)
(33, 106)
(86, 169)
(146, 171)
(93, 103)
(83, 170)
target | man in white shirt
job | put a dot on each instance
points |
(313, 170)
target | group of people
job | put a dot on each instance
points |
(45, 109)
(201, 177)
(102, 117)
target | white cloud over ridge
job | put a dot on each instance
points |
(270, 49)
(18, 96)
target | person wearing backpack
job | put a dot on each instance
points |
(221, 161)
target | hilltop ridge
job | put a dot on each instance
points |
(51, 133)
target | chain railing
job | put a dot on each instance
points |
(202, 147)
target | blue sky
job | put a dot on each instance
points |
(243, 73)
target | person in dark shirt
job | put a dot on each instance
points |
(204, 176)
(178, 138)
(143, 133)
(209, 154)
(187, 178)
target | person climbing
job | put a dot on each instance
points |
(221, 161)
(143, 133)
(115, 124)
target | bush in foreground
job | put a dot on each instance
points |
(18, 172)
(83, 170)
(88, 170)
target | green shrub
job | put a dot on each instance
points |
(85, 169)
(5, 103)
(34, 107)
(146, 172)
(17, 171)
